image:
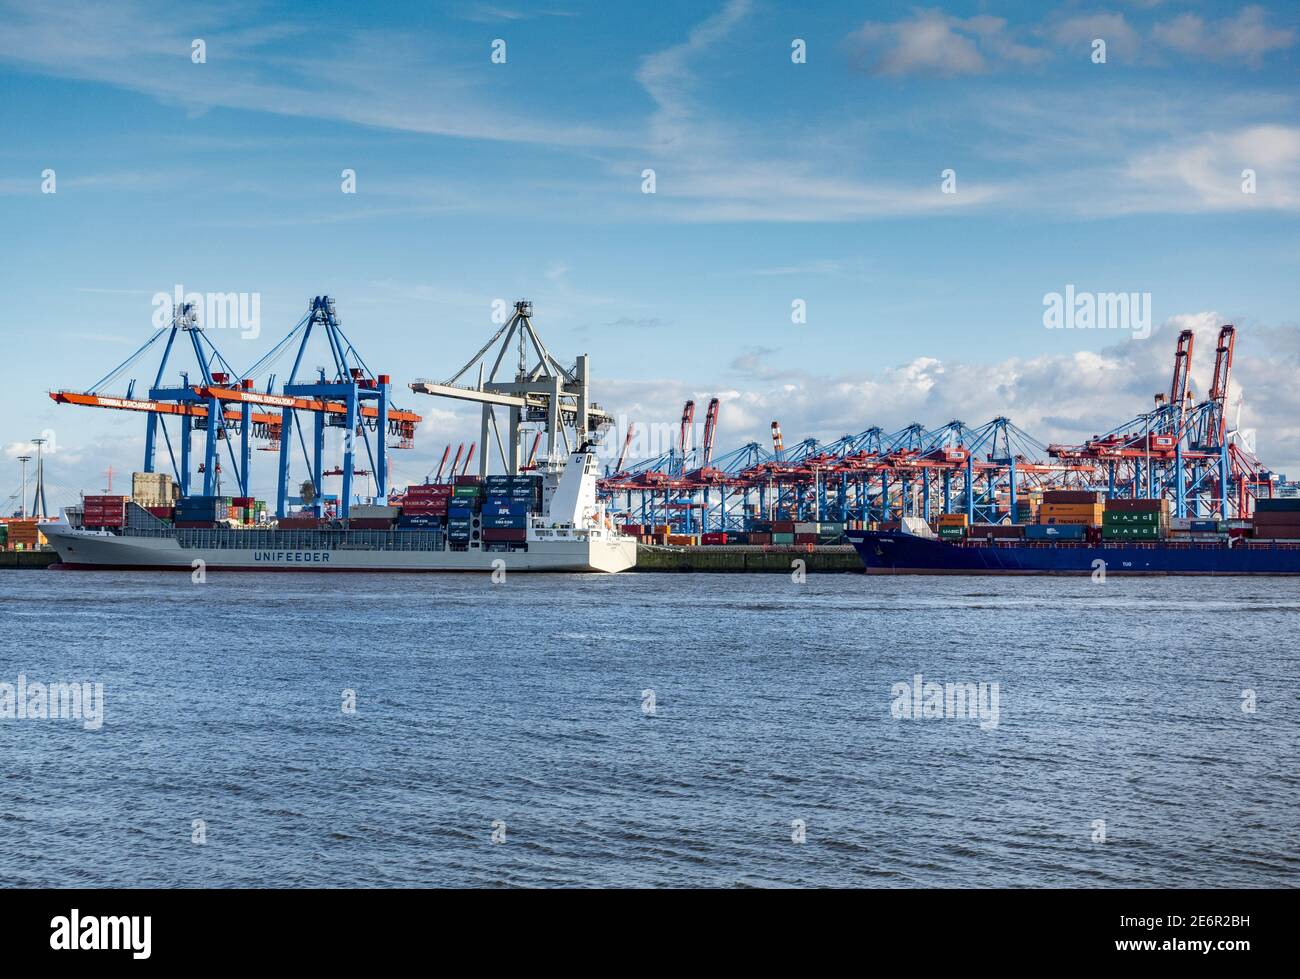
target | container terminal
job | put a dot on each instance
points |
(1175, 479)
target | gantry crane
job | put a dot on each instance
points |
(541, 390)
(228, 406)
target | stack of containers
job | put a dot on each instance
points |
(201, 511)
(1083, 508)
(103, 511)
(525, 488)
(1027, 504)
(830, 533)
(1135, 520)
(504, 523)
(425, 506)
(153, 491)
(464, 525)
(243, 509)
(782, 531)
(952, 526)
(22, 535)
(806, 531)
(1278, 519)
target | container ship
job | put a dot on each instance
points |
(549, 520)
(1083, 532)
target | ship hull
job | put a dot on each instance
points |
(896, 553)
(85, 550)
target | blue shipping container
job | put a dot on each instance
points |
(1035, 531)
(505, 523)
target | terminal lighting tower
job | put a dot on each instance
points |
(23, 496)
(541, 390)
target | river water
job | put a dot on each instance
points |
(651, 730)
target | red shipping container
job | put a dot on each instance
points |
(783, 526)
(421, 491)
(716, 538)
(760, 537)
(632, 529)
(490, 534)
(165, 512)
(438, 509)
(1277, 531)
(805, 538)
(369, 523)
(465, 480)
(1073, 496)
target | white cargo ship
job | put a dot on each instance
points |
(572, 533)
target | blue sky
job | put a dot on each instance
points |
(775, 181)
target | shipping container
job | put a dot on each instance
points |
(1288, 504)
(1073, 496)
(1054, 531)
(1131, 532)
(782, 538)
(1137, 506)
(760, 537)
(1133, 518)
(369, 523)
(503, 534)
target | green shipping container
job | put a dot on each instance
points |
(1130, 533)
(952, 531)
(783, 538)
(1120, 518)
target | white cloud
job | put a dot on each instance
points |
(933, 43)
(1246, 36)
(1062, 397)
(1206, 173)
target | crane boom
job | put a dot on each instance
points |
(710, 429)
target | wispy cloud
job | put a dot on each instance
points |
(1247, 36)
(372, 78)
(933, 43)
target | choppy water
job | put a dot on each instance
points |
(524, 703)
